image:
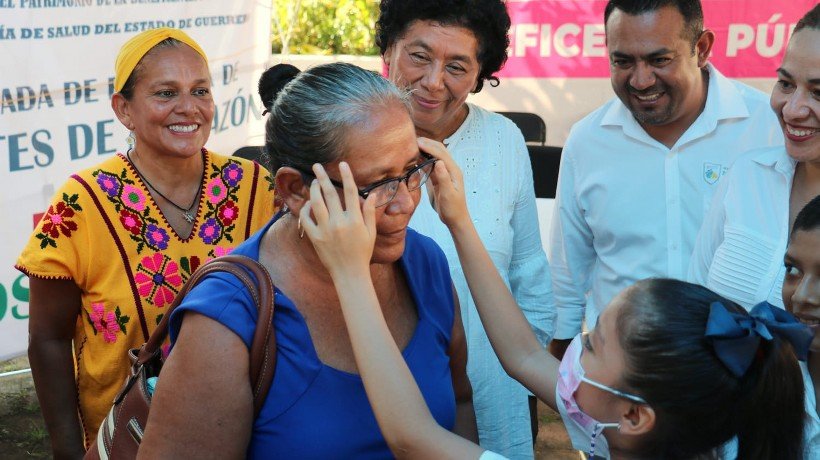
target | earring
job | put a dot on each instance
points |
(130, 140)
(299, 227)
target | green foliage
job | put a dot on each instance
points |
(326, 26)
(34, 435)
(16, 402)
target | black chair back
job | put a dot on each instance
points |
(545, 160)
(531, 125)
(255, 153)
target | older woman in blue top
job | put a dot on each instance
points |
(317, 406)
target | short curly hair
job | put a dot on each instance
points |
(487, 19)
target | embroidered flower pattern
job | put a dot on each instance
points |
(57, 221)
(136, 216)
(228, 212)
(131, 202)
(222, 211)
(189, 265)
(158, 279)
(232, 174)
(106, 322)
(218, 251)
(157, 237)
(210, 231)
(216, 190)
(109, 183)
(133, 197)
(131, 222)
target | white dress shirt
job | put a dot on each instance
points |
(629, 208)
(498, 181)
(739, 250)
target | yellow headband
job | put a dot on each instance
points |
(137, 47)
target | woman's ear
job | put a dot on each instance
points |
(291, 188)
(123, 110)
(388, 53)
(638, 419)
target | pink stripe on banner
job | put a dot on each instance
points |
(565, 38)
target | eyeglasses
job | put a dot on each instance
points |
(386, 189)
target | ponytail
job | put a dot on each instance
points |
(702, 389)
(761, 349)
(770, 405)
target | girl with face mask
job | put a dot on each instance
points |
(671, 370)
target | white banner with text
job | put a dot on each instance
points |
(56, 80)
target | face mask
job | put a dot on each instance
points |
(584, 431)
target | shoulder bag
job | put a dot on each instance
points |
(121, 432)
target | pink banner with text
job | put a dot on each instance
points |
(565, 38)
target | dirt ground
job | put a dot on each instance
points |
(23, 434)
(552, 442)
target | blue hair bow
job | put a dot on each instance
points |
(736, 336)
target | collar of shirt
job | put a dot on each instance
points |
(723, 101)
(459, 134)
(777, 159)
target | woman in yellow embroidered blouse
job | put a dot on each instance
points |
(120, 239)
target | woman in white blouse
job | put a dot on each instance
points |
(739, 248)
(444, 50)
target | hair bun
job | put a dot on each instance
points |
(273, 80)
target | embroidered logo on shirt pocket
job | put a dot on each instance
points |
(712, 172)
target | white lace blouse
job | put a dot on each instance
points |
(498, 180)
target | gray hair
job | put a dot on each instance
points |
(312, 113)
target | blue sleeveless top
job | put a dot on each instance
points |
(316, 411)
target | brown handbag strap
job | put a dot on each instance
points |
(263, 346)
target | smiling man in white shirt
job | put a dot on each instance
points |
(638, 173)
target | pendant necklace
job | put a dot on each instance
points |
(186, 212)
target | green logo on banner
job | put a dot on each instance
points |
(19, 293)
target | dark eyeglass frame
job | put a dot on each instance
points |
(365, 191)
